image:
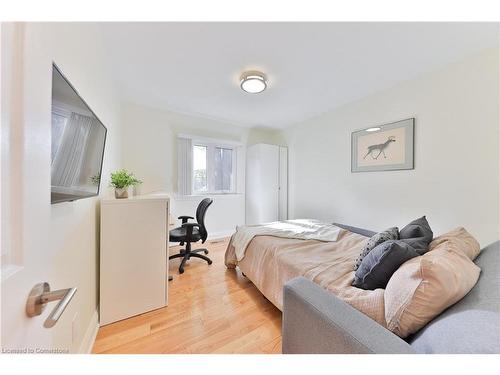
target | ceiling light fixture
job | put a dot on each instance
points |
(253, 82)
(372, 129)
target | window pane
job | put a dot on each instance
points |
(223, 168)
(199, 168)
(58, 126)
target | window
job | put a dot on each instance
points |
(223, 170)
(200, 168)
(59, 120)
(206, 166)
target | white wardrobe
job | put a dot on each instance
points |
(266, 184)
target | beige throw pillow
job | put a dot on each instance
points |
(425, 286)
(461, 240)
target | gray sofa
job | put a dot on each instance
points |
(316, 321)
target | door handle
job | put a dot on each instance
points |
(40, 295)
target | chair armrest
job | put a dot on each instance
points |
(189, 230)
(190, 225)
(185, 218)
(316, 321)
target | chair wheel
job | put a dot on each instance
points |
(205, 251)
(181, 270)
(209, 262)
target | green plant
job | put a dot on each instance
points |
(122, 179)
(96, 179)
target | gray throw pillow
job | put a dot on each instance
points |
(378, 266)
(417, 234)
(374, 241)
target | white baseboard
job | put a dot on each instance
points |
(221, 234)
(90, 335)
(211, 236)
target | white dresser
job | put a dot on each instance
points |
(134, 256)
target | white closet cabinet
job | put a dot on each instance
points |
(266, 183)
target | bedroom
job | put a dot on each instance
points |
(252, 199)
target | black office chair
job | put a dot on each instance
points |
(191, 232)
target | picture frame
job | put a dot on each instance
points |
(386, 147)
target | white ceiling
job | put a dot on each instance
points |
(194, 68)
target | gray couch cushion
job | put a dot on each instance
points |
(417, 234)
(464, 332)
(482, 302)
(374, 241)
(486, 294)
(378, 266)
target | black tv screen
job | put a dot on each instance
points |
(78, 139)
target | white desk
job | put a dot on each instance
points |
(134, 256)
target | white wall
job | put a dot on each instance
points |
(266, 135)
(456, 176)
(68, 232)
(150, 152)
(75, 225)
(226, 212)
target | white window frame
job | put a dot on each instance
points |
(186, 170)
(211, 146)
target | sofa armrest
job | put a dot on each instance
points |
(316, 321)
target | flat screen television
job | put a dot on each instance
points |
(78, 139)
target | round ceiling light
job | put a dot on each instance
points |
(253, 82)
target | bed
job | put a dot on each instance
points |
(270, 262)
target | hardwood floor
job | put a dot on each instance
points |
(211, 310)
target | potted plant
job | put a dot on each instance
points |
(96, 179)
(121, 180)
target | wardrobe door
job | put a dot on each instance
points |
(262, 182)
(283, 183)
(252, 185)
(268, 183)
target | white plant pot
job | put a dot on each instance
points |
(121, 193)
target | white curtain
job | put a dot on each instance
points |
(68, 160)
(184, 165)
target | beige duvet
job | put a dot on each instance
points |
(270, 262)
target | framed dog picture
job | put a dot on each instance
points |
(383, 148)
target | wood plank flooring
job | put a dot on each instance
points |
(211, 310)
